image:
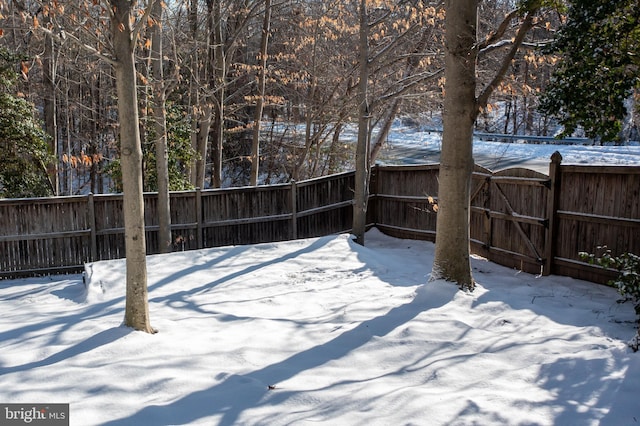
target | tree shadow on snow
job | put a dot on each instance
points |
(103, 338)
(237, 393)
(182, 298)
(55, 327)
(583, 387)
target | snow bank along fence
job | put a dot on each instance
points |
(519, 218)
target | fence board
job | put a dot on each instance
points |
(43, 233)
(324, 205)
(402, 200)
(518, 193)
(237, 216)
(598, 206)
(480, 222)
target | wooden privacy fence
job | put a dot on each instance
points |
(509, 217)
(519, 218)
(45, 235)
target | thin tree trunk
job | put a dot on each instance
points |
(255, 146)
(332, 166)
(385, 130)
(50, 110)
(203, 110)
(68, 170)
(412, 63)
(136, 307)
(308, 137)
(362, 149)
(514, 129)
(202, 142)
(507, 116)
(194, 94)
(451, 260)
(219, 75)
(160, 125)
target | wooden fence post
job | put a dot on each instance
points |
(555, 174)
(294, 210)
(199, 231)
(91, 211)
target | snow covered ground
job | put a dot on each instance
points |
(320, 331)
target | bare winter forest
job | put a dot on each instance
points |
(213, 76)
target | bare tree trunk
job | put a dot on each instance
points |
(412, 63)
(219, 75)
(628, 123)
(362, 149)
(332, 166)
(204, 111)
(193, 18)
(194, 94)
(461, 108)
(255, 146)
(68, 171)
(217, 139)
(160, 125)
(386, 128)
(527, 105)
(202, 142)
(514, 130)
(50, 110)
(308, 137)
(136, 308)
(451, 260)
(507, 115)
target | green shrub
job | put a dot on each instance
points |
(24, 153)
(628, 280)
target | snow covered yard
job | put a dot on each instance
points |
(320, 331)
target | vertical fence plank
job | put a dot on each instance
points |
(294, 210)
(552, 208)
(199, 236)
(91, 221)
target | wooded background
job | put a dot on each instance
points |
(212, 62)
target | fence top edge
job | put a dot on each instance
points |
(395, 167)
(43, 200)
(334, 176)
(593, 168)
(531, 174)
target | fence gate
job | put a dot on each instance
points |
(502, 232)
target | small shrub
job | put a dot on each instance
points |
(627, 282)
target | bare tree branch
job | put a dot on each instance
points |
(61, 36)
(525, 26)
(499, 32)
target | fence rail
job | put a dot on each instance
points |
(519, 218)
